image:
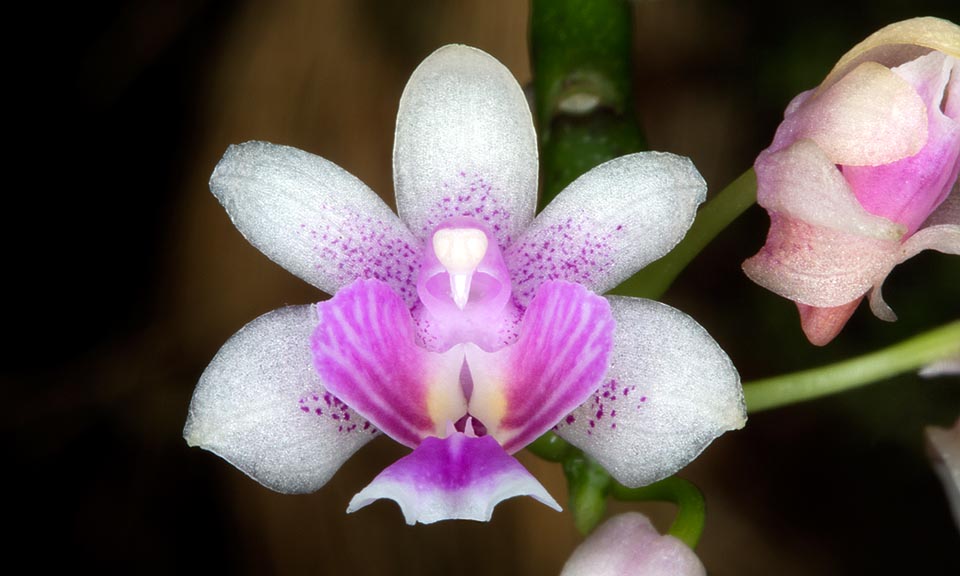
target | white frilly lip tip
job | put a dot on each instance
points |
(454, 478)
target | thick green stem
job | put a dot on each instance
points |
(654, 280)
(691, 507)
(581, 57)
(906, 356)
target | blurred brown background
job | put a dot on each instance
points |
(129, 276)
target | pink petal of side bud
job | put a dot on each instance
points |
(629, 545)
(858, 167)
(821, 325)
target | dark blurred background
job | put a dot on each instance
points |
(128, 276)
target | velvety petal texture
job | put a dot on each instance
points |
(314, 218)
(363, 347)
(670, 391)
(857, 172)
(457, 477)
(871, 116)
(262, 407)
(560, 358)
(609, 223)
(465, 145)
(629, 545)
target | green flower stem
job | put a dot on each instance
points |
(589, 484)
(691, 507)
(580, 52)
(907, 356)
(551, 448)
(654, 280)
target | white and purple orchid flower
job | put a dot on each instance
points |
(466, 327)
(862, 175)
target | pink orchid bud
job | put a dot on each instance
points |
(629, 545)
(862, 175)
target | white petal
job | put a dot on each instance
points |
(465, 145)
(609, 223)
(314, 218)
(454, 478)
(669, 392)
(629, 545)
(261, 406)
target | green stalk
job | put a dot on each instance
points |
(581, 57)
(907, 356)
(551, 448)
(589, 484)
(691, 507)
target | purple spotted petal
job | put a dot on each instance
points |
(262, 407)
(465, 145)
(607, 224)
(669, 392)
(364, 349)
(314, 218)
(455, 478)
(558, 361)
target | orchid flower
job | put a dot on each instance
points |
(464, 328)
(862, 175)
(629, 545)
